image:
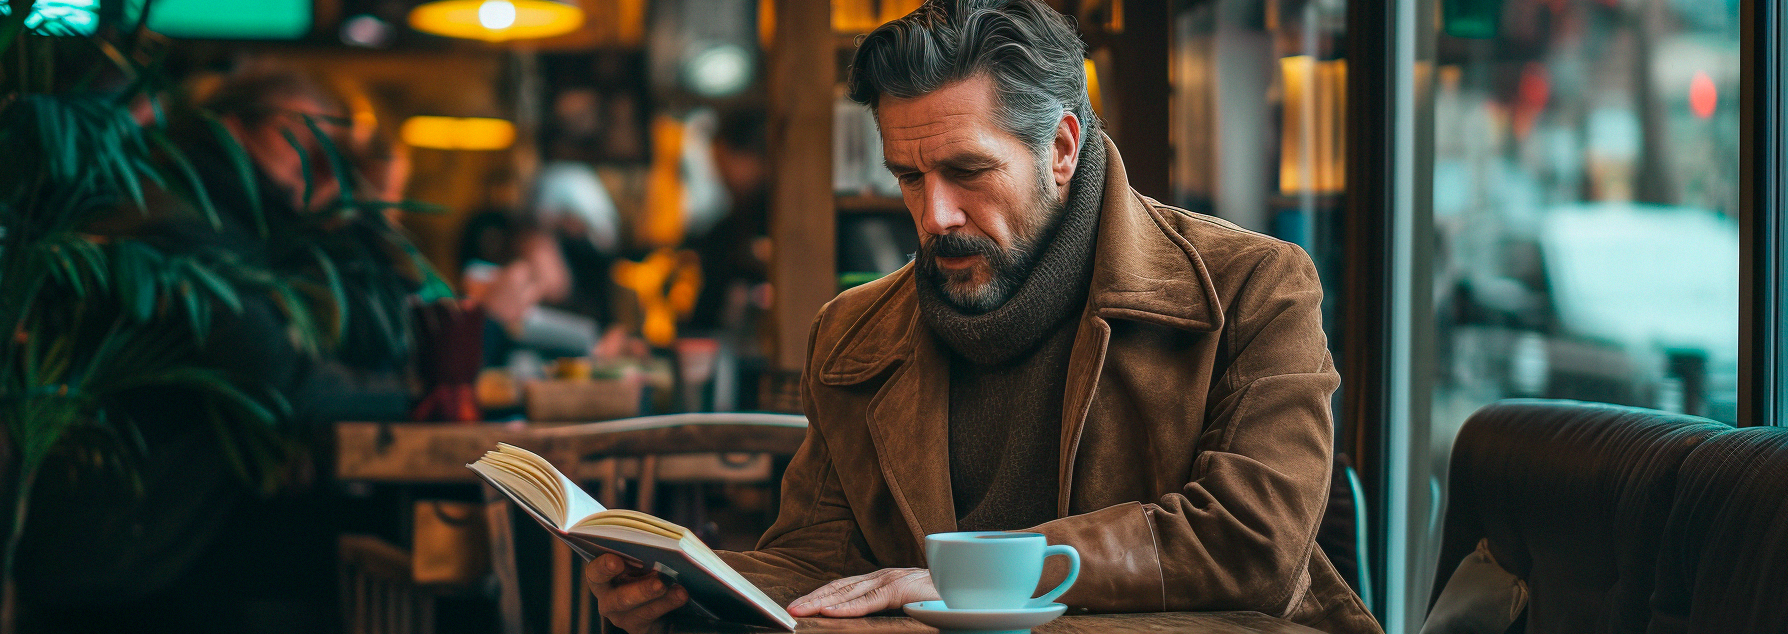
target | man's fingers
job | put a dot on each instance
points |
(656, 609)
(631, 595)
(874, 600)
(837, 592)
(602, 570)
(890, 589)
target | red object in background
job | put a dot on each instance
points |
(449, 354)
(1704, 97)
(1532, 93)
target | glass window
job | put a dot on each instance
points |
(1585, 171)
(1257, 122)
(1578, 228)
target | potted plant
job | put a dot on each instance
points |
(90, 317)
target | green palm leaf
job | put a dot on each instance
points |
(135, 265)
(338, 297)
(337, 166)
(195, 184)
(245, 170)
(219, 288)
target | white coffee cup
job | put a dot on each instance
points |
(994, 570)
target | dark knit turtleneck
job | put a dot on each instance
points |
(1009, 369)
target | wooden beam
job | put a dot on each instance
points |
(803, 270)
(1139, 86)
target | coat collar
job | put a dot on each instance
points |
(1143, 270)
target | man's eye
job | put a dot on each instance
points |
(969, 174)
(910, 179)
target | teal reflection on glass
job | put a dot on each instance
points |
(1471, 19)
(60, 17)
(228, 19)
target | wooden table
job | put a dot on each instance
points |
(414, 453)
(1178, 622)
(437, 453)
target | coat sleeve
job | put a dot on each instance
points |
(1238, 535)
(815, 538)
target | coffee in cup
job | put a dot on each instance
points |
(994, 570)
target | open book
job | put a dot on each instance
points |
(715, 589)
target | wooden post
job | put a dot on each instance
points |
(803, 271)
(1142, 93)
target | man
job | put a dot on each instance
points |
(1188, 461)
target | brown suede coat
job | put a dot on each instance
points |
(1196, 437)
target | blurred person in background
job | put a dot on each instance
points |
(735, 252)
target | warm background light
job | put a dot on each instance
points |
(497, 20)
(496, 14)
(457, 133)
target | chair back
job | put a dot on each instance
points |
(1724, 565)
(1570, 498)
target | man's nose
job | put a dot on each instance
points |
(940, 211)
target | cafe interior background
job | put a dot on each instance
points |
(1505, 198)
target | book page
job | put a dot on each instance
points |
(579, 502)
(574, 502)
(633, 520)
(521, 489)
(533, 473)
(538, 475)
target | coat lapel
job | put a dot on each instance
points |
(1085, 361)
(1144, 271)
(909, 416)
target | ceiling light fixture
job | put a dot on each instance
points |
(497, 20)
(457, 133)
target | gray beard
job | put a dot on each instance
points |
(1010, 267)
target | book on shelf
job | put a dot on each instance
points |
(716, 591)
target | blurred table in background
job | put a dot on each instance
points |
(646, 450)
(439, 452)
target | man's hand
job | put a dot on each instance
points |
(883, 589)
(631, 599)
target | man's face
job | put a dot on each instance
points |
(981, 197)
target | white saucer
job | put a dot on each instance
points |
(1010, 621)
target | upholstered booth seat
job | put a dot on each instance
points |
(1560, 505)
(1724, 564)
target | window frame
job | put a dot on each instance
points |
(1763, 241)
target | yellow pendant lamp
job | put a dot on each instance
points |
(497, 20)
(457, 133)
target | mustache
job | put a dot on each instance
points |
(956, 245)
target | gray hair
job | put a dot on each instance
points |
(1033, 55)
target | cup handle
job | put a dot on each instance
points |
(1073, 574)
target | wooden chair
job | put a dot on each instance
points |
(377, 594)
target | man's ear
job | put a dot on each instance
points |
(1064, 151)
